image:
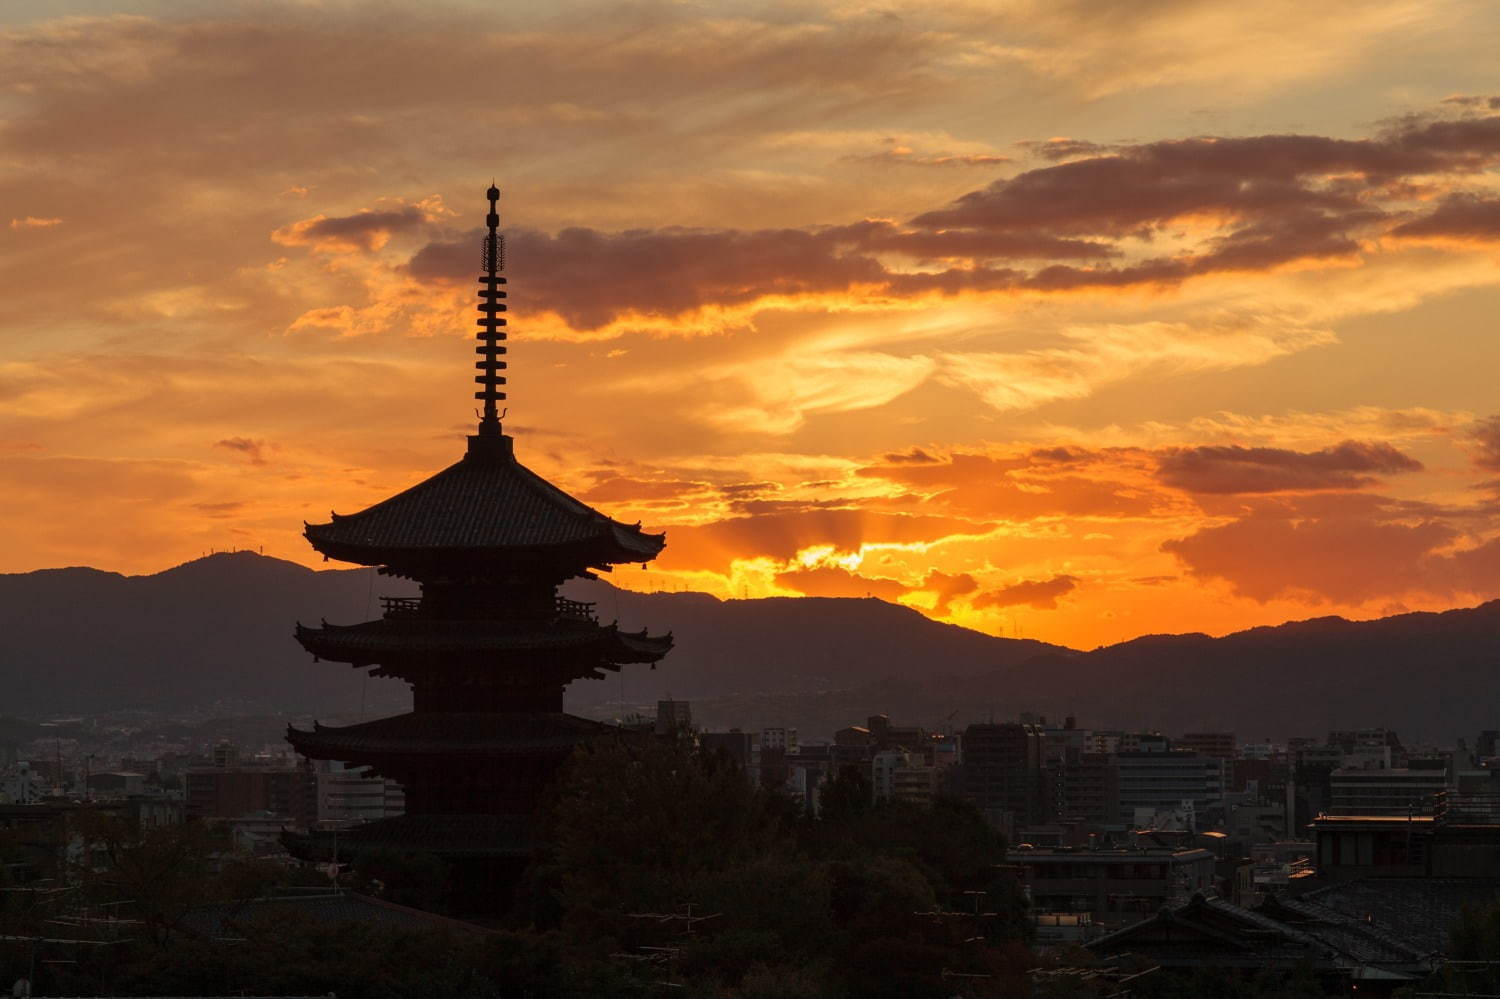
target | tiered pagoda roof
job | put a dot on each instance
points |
(378, 641)
(454, 837)
(484, 506)
(486, 734)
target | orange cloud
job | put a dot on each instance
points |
(613, 487)
(1475, 570)
(1060, 147)
(1041, 594)
(1278, 199)
(1235, 469)
(899, 153)
(781, 535)
(1485, 437)
(363, 231)
(253, 450)
(1042, 483)
(831, 581)
(945, 588)
(1338, 550)
(835, 581)
(1096, 356)
(1458, 217)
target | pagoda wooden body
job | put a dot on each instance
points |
(487, 648)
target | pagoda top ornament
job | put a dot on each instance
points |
(488, 508)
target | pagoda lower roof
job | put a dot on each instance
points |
(440, 734)
(453, 836)
(486, 504)
(373, 640)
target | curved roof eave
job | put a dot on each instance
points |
(487, 502)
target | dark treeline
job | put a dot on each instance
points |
(863, 900)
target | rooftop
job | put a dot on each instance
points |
(1213, 932)
(1025, 851)
(1415, 912)
(226, 920)
(1366, 821)
(487, 503)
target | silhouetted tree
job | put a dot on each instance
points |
(858, 901)
(638, 823)
(419, 880)
(155, 874)
(1473, 937)
(846, 796)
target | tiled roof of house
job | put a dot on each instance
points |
(223, 920)
(1415, 913)
(1212, 932)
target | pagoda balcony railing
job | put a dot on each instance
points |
(577, 609)
(401, 606)
(409, 607)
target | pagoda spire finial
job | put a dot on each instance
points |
(491, 349)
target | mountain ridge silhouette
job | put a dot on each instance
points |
(218, 631)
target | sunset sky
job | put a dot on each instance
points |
(1075, 320)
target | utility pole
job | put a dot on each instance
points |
(975, 937)
(666, 956)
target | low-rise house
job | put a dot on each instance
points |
(1115, 887)
(1208, 933)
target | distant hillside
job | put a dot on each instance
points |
(1429, 676)
(1432, 676)
(795, 645)
(216, 633)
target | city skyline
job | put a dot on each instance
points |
(1038, 320)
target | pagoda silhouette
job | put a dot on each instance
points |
(487, 648)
